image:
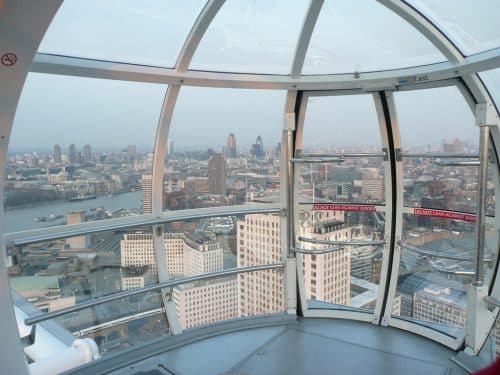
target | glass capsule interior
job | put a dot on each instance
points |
(200, 171)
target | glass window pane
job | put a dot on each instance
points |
(442, 124)
(471, 25)
(491, 79)
(202, 246)
(431, 288)
(224, 148)
(336, 125)
(79, 145)
(354, 36)
(338, 202)
(349, 277)
(257, 36)
(149, 32)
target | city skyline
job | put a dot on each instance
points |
(128, 112)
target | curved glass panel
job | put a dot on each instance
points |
(62, 273)
(252, 37)
(471, 25)
(147, 33)
(224, 148)
(442, 124)
(358, 36)
(491, 79)
(340, 201)
(78, 149)
(432, 287)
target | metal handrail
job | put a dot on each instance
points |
(326, 250)
(318, 160)
(456, 163)
(343, 155)
(65, 231)
(436, 254)
(150, 288)
(490, 300)
(439, 156)
(343, 243)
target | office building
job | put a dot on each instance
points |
(217, 174)
(231, 146)
(57, 153)
(72, 153)
(147, 193)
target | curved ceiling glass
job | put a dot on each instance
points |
(252, 37)
(471, 25)
(359, 36)
(148, 32)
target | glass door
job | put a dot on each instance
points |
(343, 200)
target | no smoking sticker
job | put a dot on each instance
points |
(8, 59)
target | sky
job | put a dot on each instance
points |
(246, 36)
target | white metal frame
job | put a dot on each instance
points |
(160, 152)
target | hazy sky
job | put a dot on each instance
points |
(246, 36)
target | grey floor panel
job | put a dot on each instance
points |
(214, 355)
(298, 352)
(312, 346)
(387, 339)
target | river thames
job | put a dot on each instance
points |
(22, 218)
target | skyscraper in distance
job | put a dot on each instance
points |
(72, 153)
(87, 153)
(231, 146)
(57, 153)
(217, 174)
(131, 152)
(170, 147)
(258, 148)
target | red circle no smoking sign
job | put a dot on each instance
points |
(8, 59)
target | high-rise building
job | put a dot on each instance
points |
(217, 175)
(231, 146)
(87, 153)
(206, 301)
(72, 153)
(147, 193)
(57, 153)
(327, 277)
(187, 255)
(79, 242)
(131, 152)
(258, 242)
(170, 147)
(258, 148)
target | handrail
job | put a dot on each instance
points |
(343, 243)
(318, 160)
(150, 288)
(318, 251)
(436, 254)
(456, 163)
(439, 156)
(342, 155)
(490, 300)
(65, 231)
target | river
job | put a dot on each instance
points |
(21, 218)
